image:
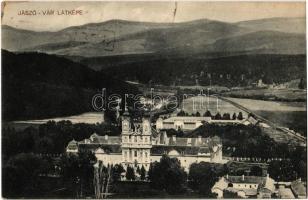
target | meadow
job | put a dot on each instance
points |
(201, 104)
(269, 94)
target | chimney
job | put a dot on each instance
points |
(106, 137)
(243, 177)
(199, 139)
(158, 138)
(300, 179)
(267, 175)
(227, 176)
(174, 138)
(164, 137)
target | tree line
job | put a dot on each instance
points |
(218, 116)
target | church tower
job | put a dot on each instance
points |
(126, 138)
(126, 124)
(136, 143)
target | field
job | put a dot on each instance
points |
(214, 105)
(89, 118)
(212, 88)
(294, 120)
(256, 105)
(270, 94)
(287, 114)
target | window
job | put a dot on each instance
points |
(146, 154)
(250, 186)
(135, 153)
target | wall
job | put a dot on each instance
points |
(245, 186)
(109, 158)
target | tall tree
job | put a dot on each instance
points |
(301, 84)
(234, 116)
(130, 173)
(240, 116)
(256, 171)
(77, 171)
(142, 173)
(226, 116)
(138, 170)
(218, 116)
(282, 170)
(181, 113)
(169, 175)
(21, 175)
(207, 114)
(203, 176)
(118, 169)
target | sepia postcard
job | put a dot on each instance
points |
(153, 100)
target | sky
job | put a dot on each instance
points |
(93, 12)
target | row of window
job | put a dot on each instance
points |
(126, 164)
(126, 154)
(135, 139)
(241, 185)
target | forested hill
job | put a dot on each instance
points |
(230, 71)
(37, 85)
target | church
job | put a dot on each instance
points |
(140, 144)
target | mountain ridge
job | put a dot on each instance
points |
(118, 37)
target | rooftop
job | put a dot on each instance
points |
(298, 188)
(246, 179)
(285, 193)
(186, 119)
(94, 138)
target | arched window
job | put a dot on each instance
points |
(230, 185)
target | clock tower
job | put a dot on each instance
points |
(136, 143)
(126, 125)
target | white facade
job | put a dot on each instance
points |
(138, 146)
(183, 123)
(191, 122)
